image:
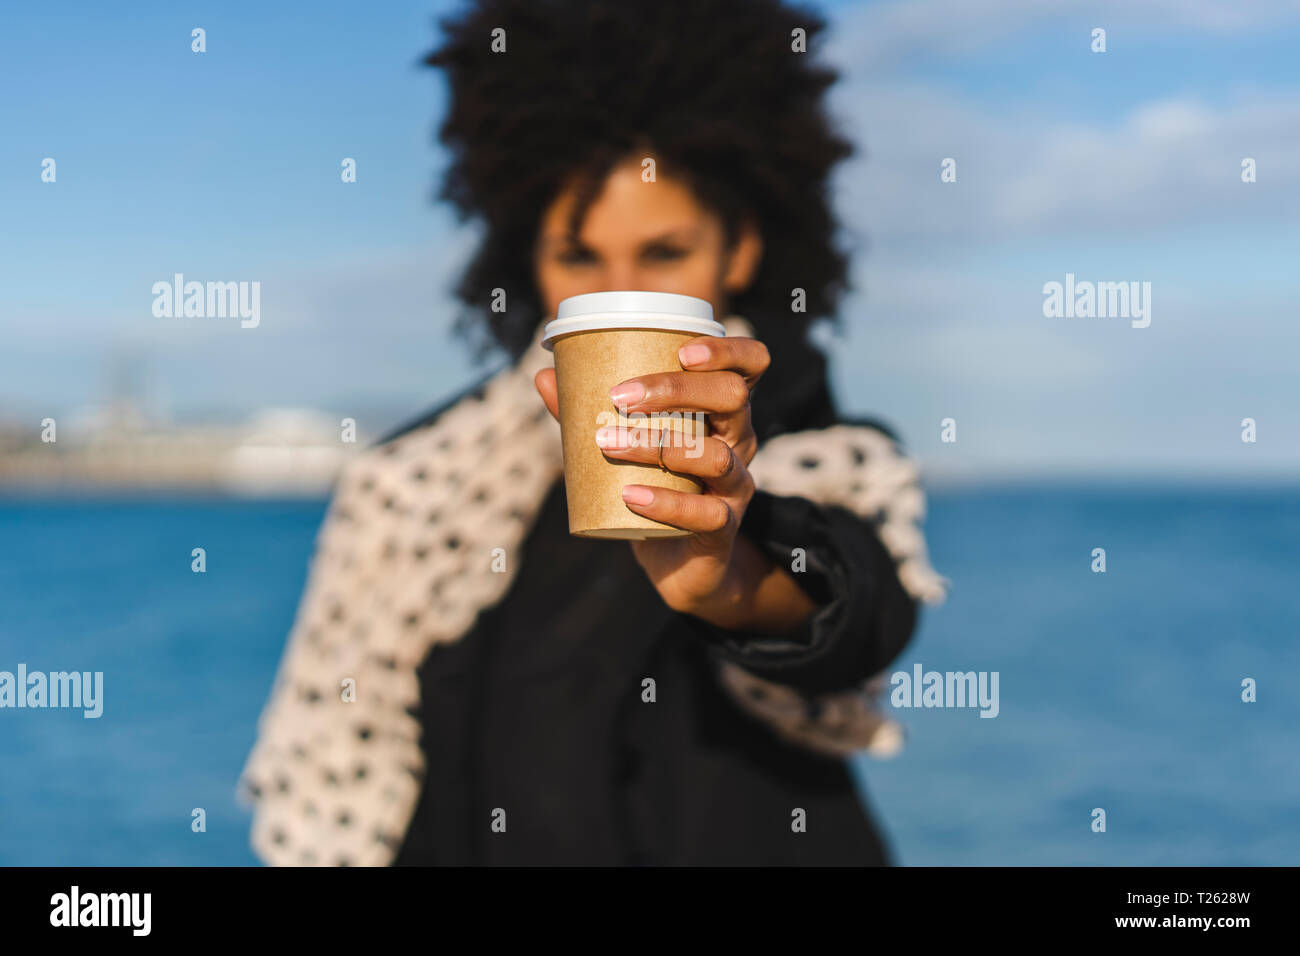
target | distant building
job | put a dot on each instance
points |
(278, 452)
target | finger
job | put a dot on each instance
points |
(737, 430)
(722, 396)
(708, 353)
(709, 459)
(545, 382)
(747, 357)
(710, 392)
(703, 514)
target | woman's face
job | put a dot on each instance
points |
(637, 235)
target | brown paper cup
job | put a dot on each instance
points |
(587, 366)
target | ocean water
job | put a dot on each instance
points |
(1119, 691)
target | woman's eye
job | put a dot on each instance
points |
(665, 253)
(571, 257)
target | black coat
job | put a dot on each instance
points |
(537, 713)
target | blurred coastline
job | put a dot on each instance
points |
(118, 447)
(278, 452)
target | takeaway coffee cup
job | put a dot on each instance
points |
(600, 339)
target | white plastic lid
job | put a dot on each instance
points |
(595, 311)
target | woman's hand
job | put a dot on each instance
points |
(713, 574)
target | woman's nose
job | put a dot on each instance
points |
(622, 275)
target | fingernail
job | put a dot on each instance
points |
(693, 354)
(638, 494)
(608, 437)
(629, 393)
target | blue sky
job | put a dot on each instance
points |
(1115, 166)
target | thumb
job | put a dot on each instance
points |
(545, 382)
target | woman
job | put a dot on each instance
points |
(468, 684)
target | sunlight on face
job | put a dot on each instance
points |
(637, 235)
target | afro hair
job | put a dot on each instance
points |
(714, 88)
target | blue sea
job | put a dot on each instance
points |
(1118, 690)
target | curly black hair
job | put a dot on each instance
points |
(713, 88)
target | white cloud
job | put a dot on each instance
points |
(1164, 163)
